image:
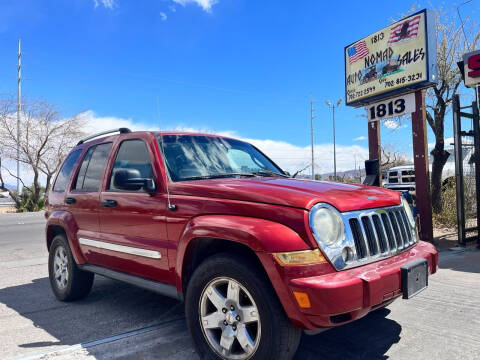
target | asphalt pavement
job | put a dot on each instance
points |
(119, 321)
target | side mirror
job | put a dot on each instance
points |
(131, 180)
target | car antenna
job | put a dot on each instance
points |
(171, 206)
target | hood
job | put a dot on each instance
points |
(290, 192)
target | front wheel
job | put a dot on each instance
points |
(233, 313)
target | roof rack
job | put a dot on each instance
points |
(120, 130)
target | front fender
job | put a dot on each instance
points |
(65, 220)
(260, 235)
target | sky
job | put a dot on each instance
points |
(245, 68)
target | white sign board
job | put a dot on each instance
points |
(401, 105)
(394, 60)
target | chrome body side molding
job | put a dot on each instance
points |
(121, 248)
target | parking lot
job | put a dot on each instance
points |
(121, 321)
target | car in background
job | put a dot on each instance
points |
(402, 178)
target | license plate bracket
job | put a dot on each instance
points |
(414, 278)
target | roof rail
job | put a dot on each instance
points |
(120, 130)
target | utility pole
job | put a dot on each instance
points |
(19, 108)
(333, 106)
(311, 134)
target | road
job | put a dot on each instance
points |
(119, 321)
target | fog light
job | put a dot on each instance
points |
(302, 299)
(347, 254)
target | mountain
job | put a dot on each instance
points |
(11, 187)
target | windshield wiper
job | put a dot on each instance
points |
(217, 176)
(269, 173)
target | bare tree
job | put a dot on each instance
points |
(45, 140)
(391, 157)
(452, 43)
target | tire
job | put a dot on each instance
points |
(71, 283)
(272, 336)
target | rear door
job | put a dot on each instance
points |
(135, 220)
(56, 196)
(83, 198)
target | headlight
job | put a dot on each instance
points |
(408, 211)
(327, 225)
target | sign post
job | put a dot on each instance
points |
(422, 173)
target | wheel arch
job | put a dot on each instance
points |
(250, 237)
(199, 249)
(52, 231)
(247, 235)
(63, 222)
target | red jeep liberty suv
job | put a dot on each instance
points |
(256, 256)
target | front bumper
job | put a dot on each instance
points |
(342, 296)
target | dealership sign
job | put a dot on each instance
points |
(471, 63)
(395, 60)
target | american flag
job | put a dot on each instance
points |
(404, 30)
(357, 51)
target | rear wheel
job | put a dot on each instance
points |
(233, 313)
(68, 282)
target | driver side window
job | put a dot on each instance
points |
(132, 154)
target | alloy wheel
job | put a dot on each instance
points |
(229, 319)
(60, 267)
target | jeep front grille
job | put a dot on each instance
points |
(380, 232)
(370, 235)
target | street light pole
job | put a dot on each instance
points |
(334, 147)
(311, 134)
(333, 106)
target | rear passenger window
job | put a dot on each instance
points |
(132, 154)
(93, 165)
(65, 172)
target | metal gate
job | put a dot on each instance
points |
(467, 170)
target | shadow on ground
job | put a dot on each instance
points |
(111, 308)
(367, 338)
(470, 260)
(114, 308)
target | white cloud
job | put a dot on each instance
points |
(391, 124)
(163, 16)
(360, 138)
(94, 123)
(206, 5)
(172, 8)
(288, 156)
(448, 143)
(109, 4)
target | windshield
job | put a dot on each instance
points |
(191, 157)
